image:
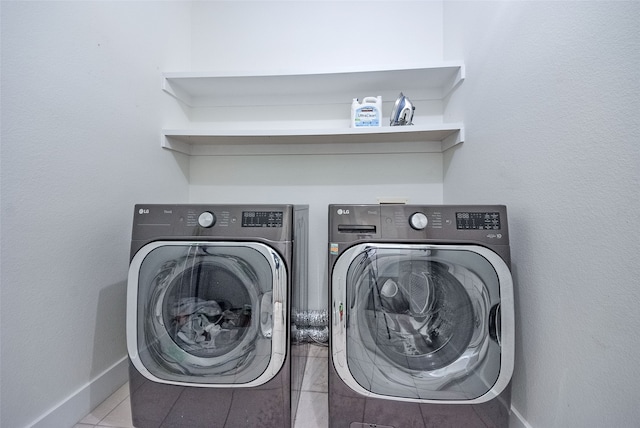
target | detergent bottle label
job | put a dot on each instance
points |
(366, 114)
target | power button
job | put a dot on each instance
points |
(206, 219)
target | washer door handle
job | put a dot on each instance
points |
(278, 341)
(266, 314)
(494, 323)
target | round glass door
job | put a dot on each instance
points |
(420, 322)
(419, 315)
(206, 313)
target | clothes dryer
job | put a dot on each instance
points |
(210, 292)
(421, 316)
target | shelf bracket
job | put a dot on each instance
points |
(175, 145)
(453, 140)
(454, 82)
(176, 92)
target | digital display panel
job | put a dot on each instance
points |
(478, 221)
(262, 218)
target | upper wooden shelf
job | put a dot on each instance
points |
(200, 89)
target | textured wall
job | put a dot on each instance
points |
(551, 104)
(81, 114)
(315, 36)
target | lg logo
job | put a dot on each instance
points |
(143, 211)
(342, 212)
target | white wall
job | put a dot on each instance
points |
(315, 35)
(81, 112)
(312, 37)
(551, 104)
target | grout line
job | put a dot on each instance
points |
(321, 360)
(110, 412)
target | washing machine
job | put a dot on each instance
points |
(421, 316)
(210, 292)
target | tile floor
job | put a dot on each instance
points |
(115, 411)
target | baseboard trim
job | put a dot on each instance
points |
(79, 404)
(517, 420)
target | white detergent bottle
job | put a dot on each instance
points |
(366, 114)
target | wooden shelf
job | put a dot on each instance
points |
(296, 95)
(422, 139)
(206, 89)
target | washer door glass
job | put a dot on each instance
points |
(208, 313)
(420, 322)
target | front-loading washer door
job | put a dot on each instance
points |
(424, 323)
(207, 313)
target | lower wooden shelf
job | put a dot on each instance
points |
(389, 139)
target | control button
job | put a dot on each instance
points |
(206, 219)
(418, 221)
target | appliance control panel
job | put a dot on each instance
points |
(237, 221)
(484, 223)
(478, 220)
(469, 223)
(262, 218)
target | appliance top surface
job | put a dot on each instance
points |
(243, 221)
(482, 224)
